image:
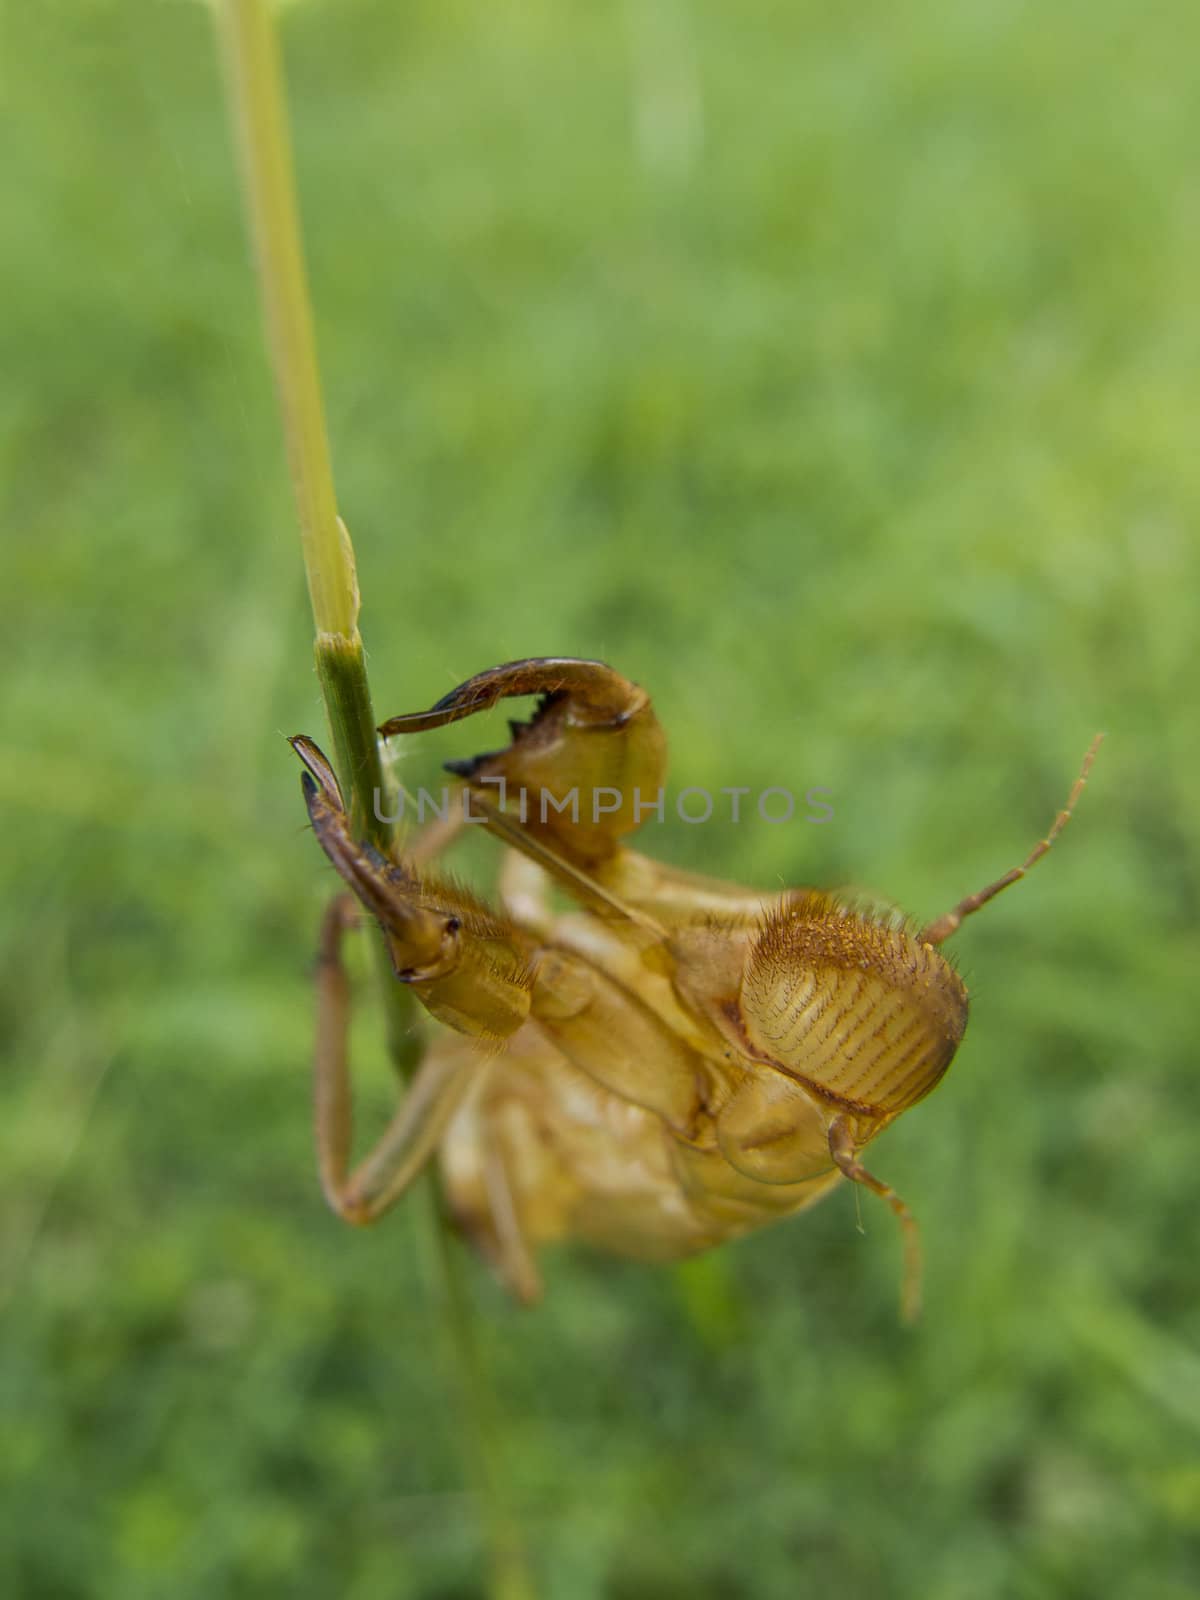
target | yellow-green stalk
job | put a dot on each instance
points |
(257, 103)
(256, 98)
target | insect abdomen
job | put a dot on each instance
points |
(852, 1004)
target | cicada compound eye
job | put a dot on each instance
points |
(852, 1003)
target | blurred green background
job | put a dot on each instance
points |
(830, 370)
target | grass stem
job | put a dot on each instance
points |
(256, 95)
(257, 103)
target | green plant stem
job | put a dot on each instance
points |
(256, 94)
(257, 103)
(342, 672)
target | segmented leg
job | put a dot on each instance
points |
(420, 1120)
(468, 966)
(941, 929)
(845, 1155)
(514, 1263)
(470, 970)
(582, 773)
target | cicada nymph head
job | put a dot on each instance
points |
(458, 956)
(852, 1004)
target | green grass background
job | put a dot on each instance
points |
(833, 371)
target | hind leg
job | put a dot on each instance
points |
(479, 1169)
(514, 1260)
(503, 1175)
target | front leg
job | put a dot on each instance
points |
(582, 773)
(469, 967)
(431, 1099)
